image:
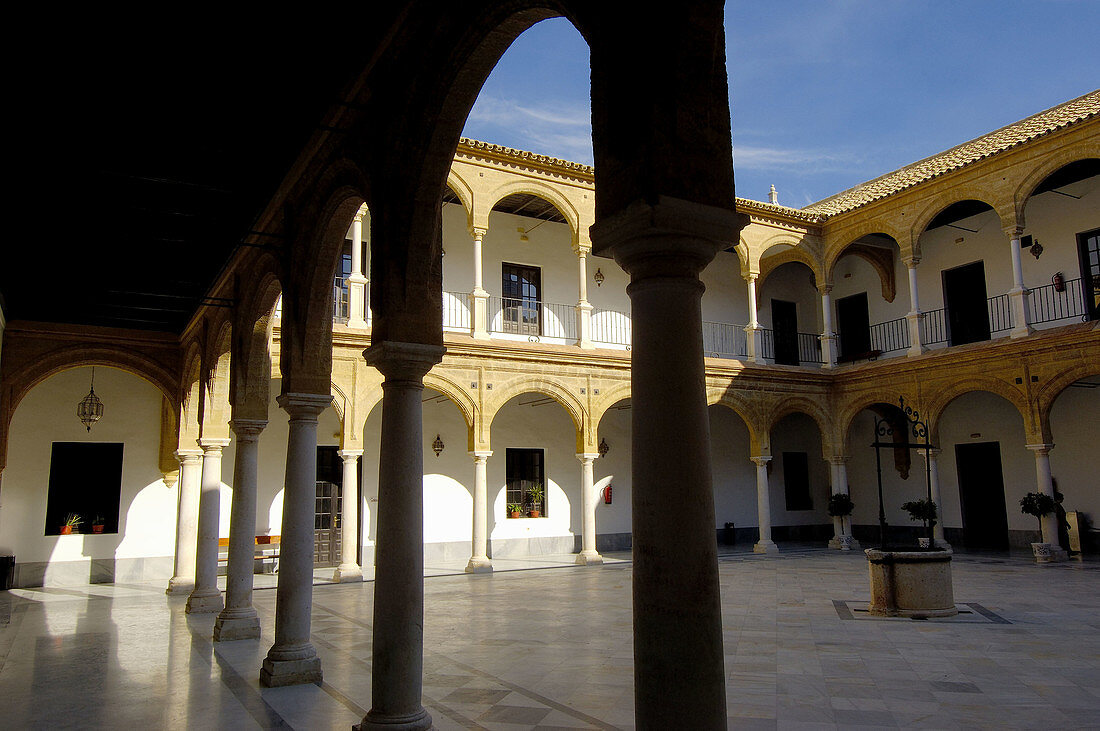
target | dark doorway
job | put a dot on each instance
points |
(982, 491)
(796, 481)
(853, 326)
(524, 469)
(965, 300)
(1088, 248)
(519, 291)
(326, 525)
(85, 483)
(785, 325)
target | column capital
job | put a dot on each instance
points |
(403, 361)
(1014, 231)
(304, 406)
(839, 459)
(933, 453)
(350, 454)
(1040, 448)
(248, 430)
(480, 455)
(188, 456)
(761, 460)
(478, 232)
(751, 276)
(911, 262)
(213, 445)
(825, 290)
(582, 249)
(586, 457)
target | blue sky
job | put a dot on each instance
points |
(825, 95)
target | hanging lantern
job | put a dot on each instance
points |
(90, 409)
(598, 276)
(603, 448)
(437, 445)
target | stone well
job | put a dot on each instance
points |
(911, 583)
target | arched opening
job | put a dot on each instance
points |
(734, 477)
(1073, 462)
(964, 259)
(534, 446)
(1063, 238)
(869, 323)
(789, 312)
(612, 470)
(798, 481)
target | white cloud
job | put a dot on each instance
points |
(548, 129)
(771, 158)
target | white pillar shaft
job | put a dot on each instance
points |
(914, 317)
(934, 482)
(1018, 302)
(357, 283)
(763, 505)
(357, 245)
(206, 597)
(914, 295)
(1045, 482)
(588, 554)
(238, 620)
(828, 337)
(1017, 265)
(187, 521)
(479, 537)
(349, 569)
(826, 315)
(478, 280)
(582, 282)
(753, 317)
(292, 659)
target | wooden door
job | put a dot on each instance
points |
(785, 325)
(327, 507)
(520, 287)
(853, 326)
(982, 491)
(964, 297)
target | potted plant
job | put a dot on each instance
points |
(923, 510)
(534, 494)
(1038, 505)
(97, 524)
(840, 508)
(514, 510)
(71, 524)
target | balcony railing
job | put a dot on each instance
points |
(611, 327)
(534, 319)
(886, 337)
(1000, 313)
(456, 310)
(809, 346)
(722, 340)
(1047, 304)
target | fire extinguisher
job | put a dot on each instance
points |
(1059, 282)
(607, 495)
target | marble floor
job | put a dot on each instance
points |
(550, 647)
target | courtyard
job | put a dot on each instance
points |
(548, 645)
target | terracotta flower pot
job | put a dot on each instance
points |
(66, 530)
(97, 529)
(514, 514)
(535, 513)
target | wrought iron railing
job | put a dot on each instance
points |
(891, 335)
(767, 342)
(722, 340)
(611, 327)
(933, 327)
(534, 319)
(1000, 313)
(809, 348)
(1047, 304)
(456, 310)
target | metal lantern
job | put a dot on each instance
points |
(602, 449)
(90, 408)
(437, 445)
(598, 276)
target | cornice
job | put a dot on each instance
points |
(521, 159)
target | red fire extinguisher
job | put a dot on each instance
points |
(1059, 282)
(607, 495)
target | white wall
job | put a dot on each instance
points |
(798, 433)
(1076, 433)
(863, 479)
(793, 282)
(147, 514)
(734, 475)
(614, 427)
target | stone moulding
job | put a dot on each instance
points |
(911, 583)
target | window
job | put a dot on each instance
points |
(519, 291)
(796, 481)
(86, 482)
(1088, 248)
(340, 294)
(524, 469)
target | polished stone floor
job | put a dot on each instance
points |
(550, 647)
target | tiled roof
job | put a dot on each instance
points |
(500, 153)
(1017, 133)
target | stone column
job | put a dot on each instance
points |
(479, 562)
(751, 346)
(842, 526)
(479, 298)
(584, 309)
(934, 482)
(357, 283)
(1049, 522)
(678, 655)
(238, 621)
(1021, 308)
(765, 544)
(349, 569)
(588, 555)
(398, 653)
(292, 659)
(828, 337)
(914, 316)
(206, 597)
(187, 521)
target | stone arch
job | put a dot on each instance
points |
(191, 398)
(609, 396)
(249, 386)
(1049, 393)
(548, 387)
(461, 189)
(942, 201)
(803, 405)
(848, 413)
(794, 254)
(460, 398)
(1048, 164)
(942, 398)
(216, 378)
(735, 402)
(536, 188)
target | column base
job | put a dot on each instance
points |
(205, 602)
(347, 574)
(241, 625)
(1021, 332)
(765, 547)
(277, 673)
(418, 721)
(177, 586)
(479, 565)
(585, 558)
(838, 543)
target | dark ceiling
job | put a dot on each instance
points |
(144, 154)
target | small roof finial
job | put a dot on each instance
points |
(773, 197)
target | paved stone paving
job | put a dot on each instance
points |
(551, 649)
